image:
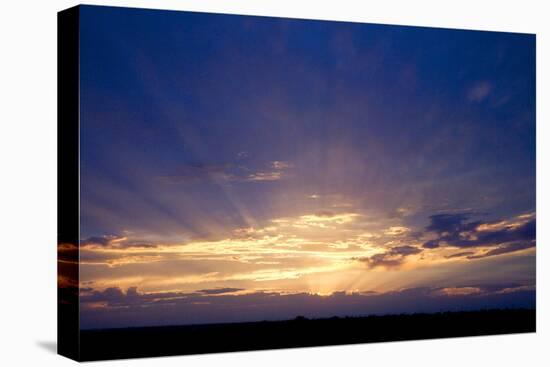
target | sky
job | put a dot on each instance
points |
(238, 168)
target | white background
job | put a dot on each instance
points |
(28, 182)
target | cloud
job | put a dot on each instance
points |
(399, 212)
(262, 176)
(431, 244)
(280, 165)
(140, 245)
(287, 252)
(460, 254)
(391, 258)
(523, 232)
(326, 247)
(198, 173)
(479, 91)
(275, 172)
(322, 219)
(104, 241)
(114, 308)
(451, 223)
(396, 231)
(220, 290)
(460, 291)
(455, 230)
(114, 242)
(114, 296)
(505, 249)
(405, 250)
(325, 214)
(386, 260)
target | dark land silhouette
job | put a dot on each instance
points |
(299, 332)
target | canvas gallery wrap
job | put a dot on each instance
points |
(231, 183)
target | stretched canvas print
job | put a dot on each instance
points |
(232, 183)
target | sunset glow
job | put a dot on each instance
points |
(244, 168)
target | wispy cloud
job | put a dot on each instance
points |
(505, 249)
(397, 231)
(199, 173)
(459, 254)
(261, 176)
(280, 165)
(242, 154)
(480, 91)
(114, 242)
(220, 290)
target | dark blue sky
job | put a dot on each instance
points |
(197, 126)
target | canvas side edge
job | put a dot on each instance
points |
(68, 207)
